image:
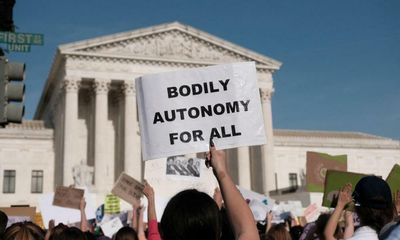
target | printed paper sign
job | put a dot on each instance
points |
(128, 188)
(334, 181)
(312, 212)
(318, 164)
(111, 227)
(393, 179)
(180, 111)
(68, 197)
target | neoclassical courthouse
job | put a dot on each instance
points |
(87, 115)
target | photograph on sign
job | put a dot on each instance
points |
(180, 111)
(181, 166)
(168, 185)
(68, 197)
(128, 188)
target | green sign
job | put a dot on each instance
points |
(21, 38)
(19, 47)
(334, 181)
(393, 179)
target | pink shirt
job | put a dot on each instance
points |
(153, 233)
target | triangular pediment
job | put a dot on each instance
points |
(171, 42)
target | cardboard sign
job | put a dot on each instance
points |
(68, 197)
(63, 214)
(180, 111)
(128, 188)
(318, 164)
(334, 181)
(393, 179)
(19, 214)
(111, 227)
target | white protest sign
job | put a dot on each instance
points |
(259, 204)
(111, 227)
(167, 185)
(180, 111)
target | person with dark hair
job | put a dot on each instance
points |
(170, 166)
(193, 171)
(54, 231)
(191, 214)
(71, 233)
(126, 233)
(24, 231)
(295, 232)
(373, 204)
(194, 215)
(3, 222)
(279, 232)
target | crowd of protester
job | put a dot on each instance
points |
(192, 214)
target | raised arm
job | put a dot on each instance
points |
(140, 231)
(349, 225)
(135, 214)
(148, 191)
(239, 213)
(84, 222)
(344, 198)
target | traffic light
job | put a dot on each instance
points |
(12, 90)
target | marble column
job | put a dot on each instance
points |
(267, 150)
(103, 164)
(132, 149)
(244, 167)
(71, 87)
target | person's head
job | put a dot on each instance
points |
(3, 222)
(295, 232)
(279, 232)
(126, 233)
(72, 233)
(320, 225)
(24, 231)
(170, 160)
(190, 161)
(191, 214)
(373, 202)
(56, 231)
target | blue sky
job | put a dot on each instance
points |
(341, 59)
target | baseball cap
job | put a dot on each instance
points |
(372, 192)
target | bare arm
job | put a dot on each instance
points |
(153, 233)
(218, 197)
(344, 198)
(84, 222)
(140, 231)
(135, 209)
(269, 221)
(349, 227)
(239, 213)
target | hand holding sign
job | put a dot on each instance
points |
(179, 111)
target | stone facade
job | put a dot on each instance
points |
(88, 108)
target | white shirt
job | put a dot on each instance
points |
(364, 233)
